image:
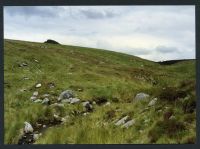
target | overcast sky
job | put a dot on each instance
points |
(152, 32)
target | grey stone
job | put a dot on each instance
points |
(152, 102)
(74, 100)
(23, 64)
(45, 95)
(38, 85)
(87, 106)
(36, 136)
(122, 121)
(107, 104)
(35, 93)
(129, 123)
(56, 117)
(28, 128)
(141, 96)
(36, 61)
(25, 78)
(38, 101)
(33, 98)
(66, 95)
(46, 101)
(66, 100)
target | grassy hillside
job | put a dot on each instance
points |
(95, 74)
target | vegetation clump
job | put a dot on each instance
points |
(51, 41)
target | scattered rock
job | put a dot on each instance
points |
(64, 119)
(36, 61)
(94, 103)
(51, 85)
(45, 95)
(141, 96)
(152, 102)
(33, 98)
(66, 100)
(107, 104)
(25, 78)
(66, 95)
(87, 106)
(74, 100)
(128, 124)
(44, 126)
(80, 89)
(56, 117)
(38, 101)
(36, 136)
(46, 101)
(86, 113)
(38, 85)
(35, 93)
(28, 128)
(23, 64)
(122, 121)
(22, 90)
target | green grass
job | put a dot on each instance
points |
(98, 73)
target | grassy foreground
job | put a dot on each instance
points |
(91, 74)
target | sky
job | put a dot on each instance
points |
(155, 33)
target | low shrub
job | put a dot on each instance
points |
(171, 94)
(189, 105)
(169, 128)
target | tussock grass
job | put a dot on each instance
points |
(113, 76)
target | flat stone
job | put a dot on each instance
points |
(152, 102)
(45, 101)
(36, 137)
(141, 96)
(35, 93)
(122, 121)
(128, 124)
(33, 98)
(45, 95)
(74, 100)
(38, 85)
(66, 95)
(107, 104)
(28, 127)
(38, 101)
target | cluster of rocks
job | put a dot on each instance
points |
(144, 96)
(69, 97)
(28, 134)
(35, 98)
(125, 122)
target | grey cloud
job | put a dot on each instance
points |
(94, 14)
(28, 11)
(165, 49)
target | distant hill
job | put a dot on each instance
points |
(170, 62)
